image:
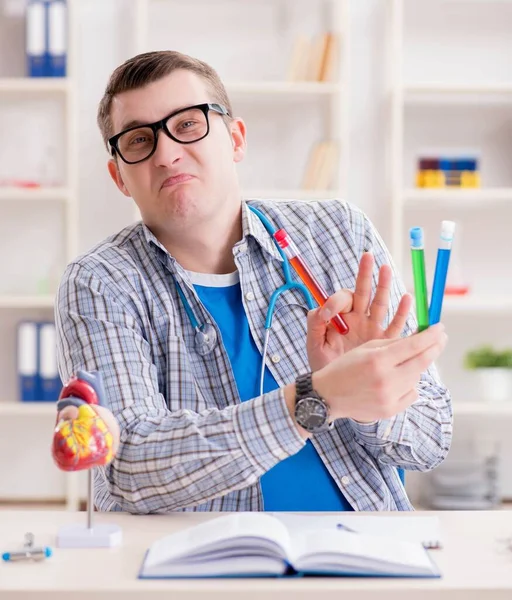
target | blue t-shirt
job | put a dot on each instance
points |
(300, 482)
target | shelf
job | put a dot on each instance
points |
(7, 301)
(21, 194)
(283, 87)
(482, 408)
(476, 303)
(460, 198)
(29, 409)
(36, 85)
(291, 194)
(436, 92)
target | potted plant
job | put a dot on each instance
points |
(494, 371)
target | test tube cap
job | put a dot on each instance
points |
(447, 230)
(281, 238)
(416, 237)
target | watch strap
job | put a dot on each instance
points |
(304, 386)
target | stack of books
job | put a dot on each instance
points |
(448, 171)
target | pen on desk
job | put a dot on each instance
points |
(441, 271)
(419, 276)
(306, 275)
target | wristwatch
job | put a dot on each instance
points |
(311, 410)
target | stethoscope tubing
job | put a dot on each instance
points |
(206, 337)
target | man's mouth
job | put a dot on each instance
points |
(182, 177)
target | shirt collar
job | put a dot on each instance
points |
(161, 251)
(252, 226)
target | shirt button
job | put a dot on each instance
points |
(249, 296)
(345, 480)
(275, 358)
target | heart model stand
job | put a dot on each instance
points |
(85, 442)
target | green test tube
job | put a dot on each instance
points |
(419, 275)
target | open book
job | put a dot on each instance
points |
(261, 545)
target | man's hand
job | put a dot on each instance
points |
(378, 380)
(363, 316)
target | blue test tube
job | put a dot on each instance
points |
(441, 272)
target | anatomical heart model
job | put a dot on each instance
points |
(84, 437)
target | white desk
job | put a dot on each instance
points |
(473, 564)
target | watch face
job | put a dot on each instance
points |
(311, 413)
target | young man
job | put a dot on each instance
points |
(144, 308)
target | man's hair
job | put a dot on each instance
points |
(146, 68)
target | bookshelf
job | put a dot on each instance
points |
(448, 103)
(42, 194)
(303, 67)
(450, 86)
(45, 209)
(26, 85)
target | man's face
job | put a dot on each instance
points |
(180, 184)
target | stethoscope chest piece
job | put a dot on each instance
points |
(205, 339)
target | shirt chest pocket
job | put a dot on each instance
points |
(288, 334)
(177, 375)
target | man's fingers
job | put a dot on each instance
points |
(397, 324)
(412, 368)
(407, 399)
(380, 303)
(363, 289)
(340, 302)
(380, 343)
(407, 348)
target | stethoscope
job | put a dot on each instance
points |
(205, 337)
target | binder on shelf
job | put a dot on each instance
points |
(50, 383)
(46, 38)
(27, 361)
(57, 37)
(35, 43)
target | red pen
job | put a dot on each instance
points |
(319, 294)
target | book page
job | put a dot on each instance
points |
(425, 530)
(359, 549)
(250, 529)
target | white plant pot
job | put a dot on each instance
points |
(495, 384)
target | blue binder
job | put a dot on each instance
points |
(36, 38)
(46, 38)
(57, 38)
(27, 361)
(49, 381)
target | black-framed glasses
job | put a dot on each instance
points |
(185, 126)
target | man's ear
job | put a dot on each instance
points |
(113, 169)
(238, 135)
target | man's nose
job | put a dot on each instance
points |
(167, 150)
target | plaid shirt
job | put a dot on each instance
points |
(187, 442)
